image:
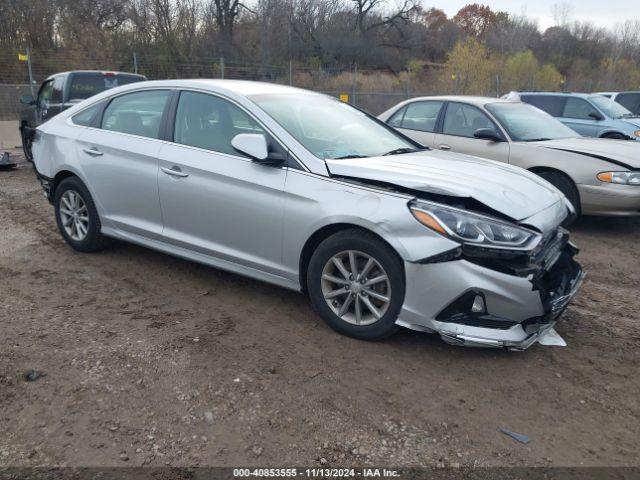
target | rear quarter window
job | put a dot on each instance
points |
(85, 117)
(552, 104)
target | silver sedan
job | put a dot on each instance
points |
(298, 189)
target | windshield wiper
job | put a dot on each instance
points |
(537, 140)
(344, 157)
(399, 151)
(628, 115)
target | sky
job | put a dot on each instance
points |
(604, 13)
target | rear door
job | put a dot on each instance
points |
(120, 160)
(577, 115)
(418, 121)
(461, 120)
(215, 200)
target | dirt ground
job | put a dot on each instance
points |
(152, 360)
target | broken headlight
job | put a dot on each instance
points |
(473, 228)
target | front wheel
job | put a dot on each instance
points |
(356, 283)
(26, 144)
(615, 136)
(77, 217)
(567, 187)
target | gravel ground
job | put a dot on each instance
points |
(152, 360)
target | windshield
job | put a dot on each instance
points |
(609, 107)
(525, 123)
(331, 129)
(85, 85)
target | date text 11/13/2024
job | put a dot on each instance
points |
(316, 472)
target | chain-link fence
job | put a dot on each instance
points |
(9, 104)
(374, 90)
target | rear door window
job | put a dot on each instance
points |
(138, 113)
(463, 120)
(578, 108)
(422, 116)
(631, 101)
(552, 104)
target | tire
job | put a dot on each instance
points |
(384, 261)
(78, 221)
(568, 188)
(615, 136)
(26, 146)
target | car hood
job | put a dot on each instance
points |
(635, 121)
(512, 191)
(625, 153)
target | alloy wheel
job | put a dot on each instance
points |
(74, 215)
(356, 287)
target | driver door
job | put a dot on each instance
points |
(576, 115)
(461, 120)
(214, 200)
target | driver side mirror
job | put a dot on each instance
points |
(255, 146)
(27, 99)
(488, 134)
(596, 116)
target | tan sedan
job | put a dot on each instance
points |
(599, 177)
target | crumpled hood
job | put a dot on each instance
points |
(625, 151)
(509, 190)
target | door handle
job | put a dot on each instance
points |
(174, 171)
(92, 151)
(444, 147)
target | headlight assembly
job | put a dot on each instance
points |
(472, 228)
(637, 133)
(622, 178)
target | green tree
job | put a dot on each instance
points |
(549, 78)
(520, 71)
(471, 68)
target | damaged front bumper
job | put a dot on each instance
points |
(489, 299)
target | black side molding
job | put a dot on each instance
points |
(599, 157)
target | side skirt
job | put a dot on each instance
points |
(201, 258)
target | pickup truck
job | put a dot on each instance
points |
(61, 91)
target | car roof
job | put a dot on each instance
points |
(114, 72)
(560, 94)
(470, 99)
(239, 87)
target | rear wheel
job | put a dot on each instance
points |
(77, 217)
(567, 187)
(356, 283)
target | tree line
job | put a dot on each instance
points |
(478, 50)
